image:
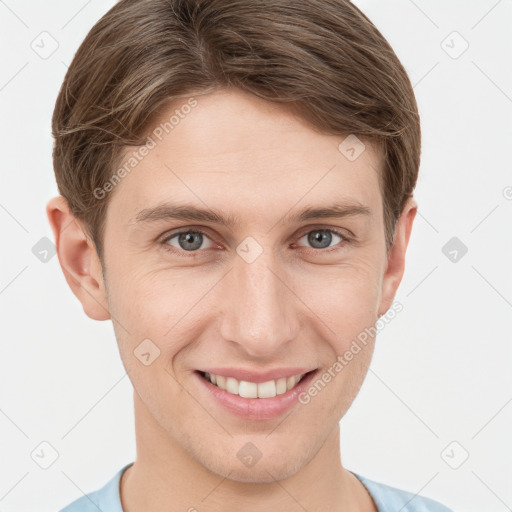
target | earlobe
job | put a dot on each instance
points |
(396, 259)
(78, 259)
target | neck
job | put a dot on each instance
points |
(164, 477)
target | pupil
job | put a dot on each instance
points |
(317, 237)
(188, 238)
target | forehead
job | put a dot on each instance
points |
(238, 153)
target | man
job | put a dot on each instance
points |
(236, 184)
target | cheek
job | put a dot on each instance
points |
(145, 299)
(147, 308)
(345, 297)
(169, 307)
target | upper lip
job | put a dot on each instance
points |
(257, 376)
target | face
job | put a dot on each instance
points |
(275, 291)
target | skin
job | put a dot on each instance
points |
(293, 306)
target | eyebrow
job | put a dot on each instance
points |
(167, 211)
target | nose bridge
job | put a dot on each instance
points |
(258, 312)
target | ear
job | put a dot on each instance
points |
(396, 258)
(78, 259)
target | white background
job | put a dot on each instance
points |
(441, 369)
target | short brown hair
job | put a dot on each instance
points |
(323, 57)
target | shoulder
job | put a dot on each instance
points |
(391, 499)
(106, 498)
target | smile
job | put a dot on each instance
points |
(247, 389)
(251, 394)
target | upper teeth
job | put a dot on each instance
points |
(247, 389)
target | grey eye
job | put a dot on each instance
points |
(188, 240)
(321, 238)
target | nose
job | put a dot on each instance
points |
(260, 311)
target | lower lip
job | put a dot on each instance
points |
(256, 408)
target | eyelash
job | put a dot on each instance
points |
(193, 254)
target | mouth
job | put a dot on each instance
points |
(248, 389)
(263, 400)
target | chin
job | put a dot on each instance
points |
(258, 466)
(262, 472)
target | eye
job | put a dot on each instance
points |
(193, 241)
(322, 238)
(189, 241)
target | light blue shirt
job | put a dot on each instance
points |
(387, 499)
